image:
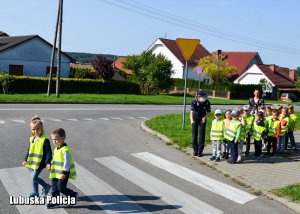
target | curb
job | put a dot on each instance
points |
(284, 201)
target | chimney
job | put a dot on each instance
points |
(292, 74)
(272, 67)
(219, 52)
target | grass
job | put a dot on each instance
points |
(171, 126)
(292, 192)
(113, 98)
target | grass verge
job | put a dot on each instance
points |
(292, 192)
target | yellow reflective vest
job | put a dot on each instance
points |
(284, 129)
(35, 153)
(293, 121)
(272, 127)
(217, 130)
(58, 163)
(231, 131)
(258, 132)
(249, 123)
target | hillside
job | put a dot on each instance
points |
(89, 57)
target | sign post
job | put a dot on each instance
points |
(187, 48)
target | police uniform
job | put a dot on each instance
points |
(199, 109)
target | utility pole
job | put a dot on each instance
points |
(59, 50)
(53, 51)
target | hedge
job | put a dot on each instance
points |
(30, 85)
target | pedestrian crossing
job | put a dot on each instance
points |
(22, 121)
(17, 182)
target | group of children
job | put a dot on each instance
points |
(270, 129)
(39, 156)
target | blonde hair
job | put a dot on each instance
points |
(36, 121)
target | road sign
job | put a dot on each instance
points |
(199, 70)
(187, 46)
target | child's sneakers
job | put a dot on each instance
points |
(46, 190)
(212, 158)
(217, 159)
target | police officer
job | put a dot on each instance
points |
(200, 107)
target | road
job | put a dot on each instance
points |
(120, 167)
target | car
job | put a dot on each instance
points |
(288, 97)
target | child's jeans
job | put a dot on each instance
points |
(272, 142)
(36, 181)
(60, 186)
(233, 151)
(258, 148)
(290, 135)
(216, 148)
(281, 144)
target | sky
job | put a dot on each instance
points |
(126, 27)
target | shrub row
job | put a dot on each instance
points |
(31, 85)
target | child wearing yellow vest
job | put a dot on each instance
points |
(226, 142)
(293, 121)
(249, 121)
(62, 167)
(284, 125)
(273, 132)
(217, 135)
(258, 133)
(38, 156)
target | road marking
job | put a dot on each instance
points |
(73, 119)
(17, 182)
(174, 197)
(116, 118)
(55, 120)
(210, 184)
(88, 119)
(131, 118)
(102, 118)
(144, 118)
(2, 121)
(108, 198)
(18, 121)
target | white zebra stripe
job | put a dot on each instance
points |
(177, 198)
(210, 184)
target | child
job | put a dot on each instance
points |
(284, 125)
(62, 166)
(249, 120)
(38, 156)
(290, 133)
(233, 135)
(267, 118)
(259, 130)
(273, 132)
(226, 142)
(217, 135)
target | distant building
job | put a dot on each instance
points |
(29, 56)
(240, 60)
(171, 51)
(276, 77)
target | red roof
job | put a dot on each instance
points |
(239, 60)
(199, 53)
(118, 64)
(278, 75)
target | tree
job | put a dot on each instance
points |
(6, 80)
(216, 68)
(153, 72)
(103, 68)
(297, 71)
(265, 86)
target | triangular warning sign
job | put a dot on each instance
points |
(187, 46)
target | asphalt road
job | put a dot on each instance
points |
(109, 147)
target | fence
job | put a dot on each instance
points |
(193, 91)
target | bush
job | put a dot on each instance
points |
(31, 85)
(84, 73)
(191, 83)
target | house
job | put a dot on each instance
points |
(240, 60)
(29, 56)
(276, 77)
(171, 51)
(118, 65)
(116, 77)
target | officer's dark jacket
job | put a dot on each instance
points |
(200, 109)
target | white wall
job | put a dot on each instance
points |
(35, 56)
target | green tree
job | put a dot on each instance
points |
(152, 72)
(6, 80)
(216, 68)
(297, 71)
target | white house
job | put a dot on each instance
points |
(171, 51)
(276, 77)
(29, 56)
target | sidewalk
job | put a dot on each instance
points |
(260, 175)
(264, 174)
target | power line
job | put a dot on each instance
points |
(161, 15)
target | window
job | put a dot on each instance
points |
(16, 70)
